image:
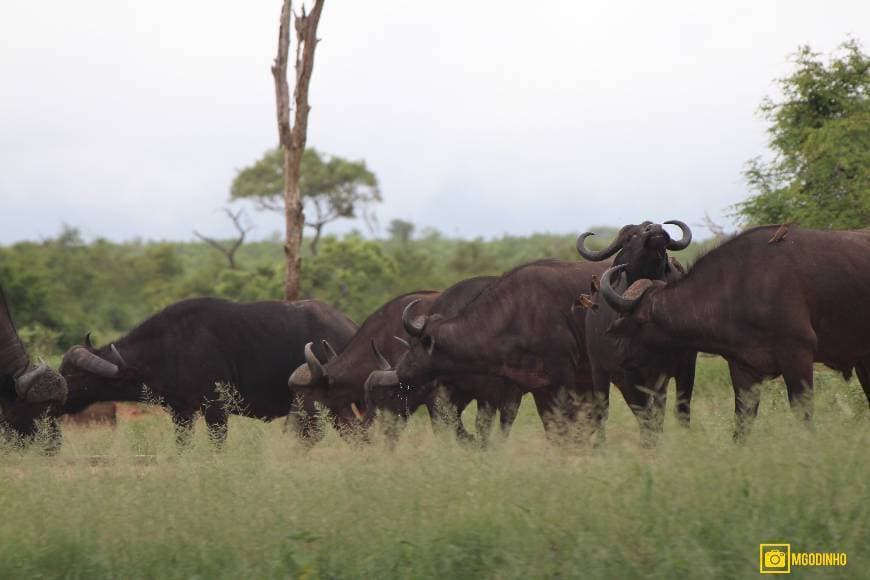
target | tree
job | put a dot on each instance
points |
(400, 230)
(331, 186)
(292, 138)
(819, 174)
(352, 274)
(229, 250)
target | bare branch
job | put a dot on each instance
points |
(717, 230)
(229, 251)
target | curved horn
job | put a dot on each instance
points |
(41, 384)
(594, 256)
(682, 244)
(330, 352)
(117, 356)
(380, 379)
(317, 370)
(404, 342)
(86, 360)
(382, 360)
(611, 296)
(413, 327)
(25, 381)
(88, 342)
(300, 377)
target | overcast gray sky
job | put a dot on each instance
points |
(480, 118)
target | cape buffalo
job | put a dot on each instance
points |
(800, 296)
(26, 390)
(521, 328)
(339, 383)
(642, 249)
(183, 352)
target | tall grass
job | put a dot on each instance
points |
(696, 506)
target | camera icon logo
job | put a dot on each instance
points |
(774, 558)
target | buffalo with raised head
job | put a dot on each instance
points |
(27, 391)
(205, 355)
(520, 328)
(339, 384)
(772, 301)
(643, 251)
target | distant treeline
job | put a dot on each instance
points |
(63, 287)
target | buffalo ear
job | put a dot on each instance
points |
(623, 326)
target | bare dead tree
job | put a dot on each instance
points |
(292, 138)
(229, 250)
(718, 230)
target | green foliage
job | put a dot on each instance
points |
(351, 274)
(401, 231)
(61, 288)
(820, 137)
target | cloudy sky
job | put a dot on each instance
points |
(130, 119)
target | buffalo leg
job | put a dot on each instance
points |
(53, 437)
(601, 382)
(746, 397)
(685, 379)
(861, 369)
(646, 399)
(446, 414)
(183, 422)
(797, 370)
(216, 420)
(484, 420)
(508, 414)
(548, 411)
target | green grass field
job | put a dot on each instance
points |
(695, 507)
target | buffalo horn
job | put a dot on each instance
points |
(611, 296)
(404, 342)
(594, 256)
(86, 360)
(381, 379)
(41, 384)
(383, 363)
(88, 342)
(317, 370)
(300, 377)
(117, 356)
(681, 244)
(413, 327)
(330, 352)
(22, 383)
(360, 416)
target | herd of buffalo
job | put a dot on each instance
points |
(772, 300)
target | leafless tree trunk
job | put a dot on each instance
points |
(292, 138)
(230, 250)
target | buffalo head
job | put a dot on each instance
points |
(27, 390)
(85, 362)
(313, 382)
(641, 248)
